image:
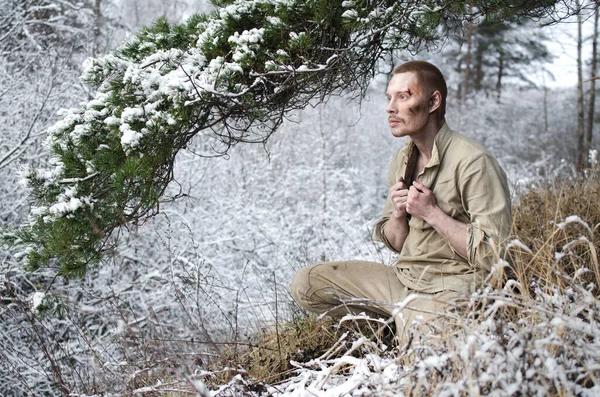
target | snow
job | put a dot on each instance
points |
(559, 255)
(574, 219)
(593, 157)
(37, 299)
(274, 20)
(130, 138)
(132, 114)
(111, 120)
(120, 328)
(67, 203)
(171, 57)
(518, 244)
(244, 44)
(69, 117)
(294, 36)
(200, 388)
(350, 14)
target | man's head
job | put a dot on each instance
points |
(429, 77)
(416, 98)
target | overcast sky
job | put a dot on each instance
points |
(563, 43)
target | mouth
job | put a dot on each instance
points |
(393, 122)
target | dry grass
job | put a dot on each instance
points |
(558, 249)
(270, 358)
(553, 264)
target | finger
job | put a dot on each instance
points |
(420, 187)
(400, 193)
(400, 206)
(400, 201)
(400, 184)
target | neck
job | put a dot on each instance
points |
(424, 140)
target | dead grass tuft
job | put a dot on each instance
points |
(559, 224)
(270, 359)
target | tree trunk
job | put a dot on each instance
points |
(478, 66)
(324, 178)
(545, 108)
(97, 15)
(591, 104)
(500, 74)
(579, 161)
(459, 93)
(468, 57)
(323, 162)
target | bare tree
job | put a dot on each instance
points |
(592, 101)
(579, 161)
(468, 57)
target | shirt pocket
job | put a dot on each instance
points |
(447, 197)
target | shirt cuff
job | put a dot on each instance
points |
(379, 235)
(481, 252)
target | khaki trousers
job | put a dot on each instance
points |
(353, 287)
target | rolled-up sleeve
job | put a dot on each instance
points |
(388, 208)
(378, 234)
(486, 198)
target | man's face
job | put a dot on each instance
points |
(408, 105)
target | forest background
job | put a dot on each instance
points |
(213, 267)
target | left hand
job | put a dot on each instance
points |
(421, 201)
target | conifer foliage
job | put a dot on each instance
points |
(226, 78)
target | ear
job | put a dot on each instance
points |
(435, 101)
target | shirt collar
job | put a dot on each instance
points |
(440, 144)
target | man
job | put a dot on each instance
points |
(447, 210)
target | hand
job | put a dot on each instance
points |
(420, 201)
(399, 193)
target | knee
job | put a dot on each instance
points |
(300, 286)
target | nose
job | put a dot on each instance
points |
(390, 108)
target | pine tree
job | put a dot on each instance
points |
(223, 79)
(502, 49)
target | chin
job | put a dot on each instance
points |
(399, 133)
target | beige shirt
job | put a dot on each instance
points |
(468, 185)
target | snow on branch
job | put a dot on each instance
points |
(226, 78)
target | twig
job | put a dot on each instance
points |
(277, 318)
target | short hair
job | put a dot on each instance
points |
(429, 76)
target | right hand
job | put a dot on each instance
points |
(399, 195)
